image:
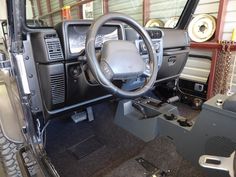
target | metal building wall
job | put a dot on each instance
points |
(229, 26)
(97, 8)
(132, 8)
(55, 5)
(211, 7)
(35, 8)
(198, 69)
(207, 7)
(230, 20)
(56, 18)
(163, 10)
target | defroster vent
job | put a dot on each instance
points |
(57, 82)
(54, 49)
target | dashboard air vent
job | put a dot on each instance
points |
(155, 34)
(57, 82)
(54, 49)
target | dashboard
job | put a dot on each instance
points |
(60, 57)
(73, 36)
(77, 36)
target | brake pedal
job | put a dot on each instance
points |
(79, 116)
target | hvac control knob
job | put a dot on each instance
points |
(75, 72)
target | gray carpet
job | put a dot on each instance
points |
(100, 148)
(160, 152)
(90, 148)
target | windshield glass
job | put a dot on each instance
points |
(151, 13)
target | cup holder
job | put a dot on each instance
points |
(185, 123)
(170, 117)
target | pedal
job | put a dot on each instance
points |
(90, 113)
(152, 171)
(79, 116)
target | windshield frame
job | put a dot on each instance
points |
(182, 23)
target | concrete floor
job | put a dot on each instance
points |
(2, 174)
(4, 96)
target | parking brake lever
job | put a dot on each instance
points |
(140, 109)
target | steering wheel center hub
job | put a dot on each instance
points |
(120, 60)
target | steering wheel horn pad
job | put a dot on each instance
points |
(120, 60)
(95, 65)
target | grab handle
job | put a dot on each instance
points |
(175, 52)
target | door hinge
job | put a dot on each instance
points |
(4, 63)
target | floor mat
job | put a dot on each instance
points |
(86, 147)
(160, 152)
(90, 148)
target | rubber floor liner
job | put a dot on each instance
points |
(85, 147)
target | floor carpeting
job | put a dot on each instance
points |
(90, 148)
(100, 148)
(162, 154)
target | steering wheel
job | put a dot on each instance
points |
(120, 60)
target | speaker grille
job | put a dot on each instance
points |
(54, 49)
(57, 82)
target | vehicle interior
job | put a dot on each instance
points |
(99, 145)
(105, 99)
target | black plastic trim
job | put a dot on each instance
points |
(186, 15)
(74, 107)
(62, 31)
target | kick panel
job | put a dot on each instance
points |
(52, 80)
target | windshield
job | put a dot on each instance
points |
(151, 13)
